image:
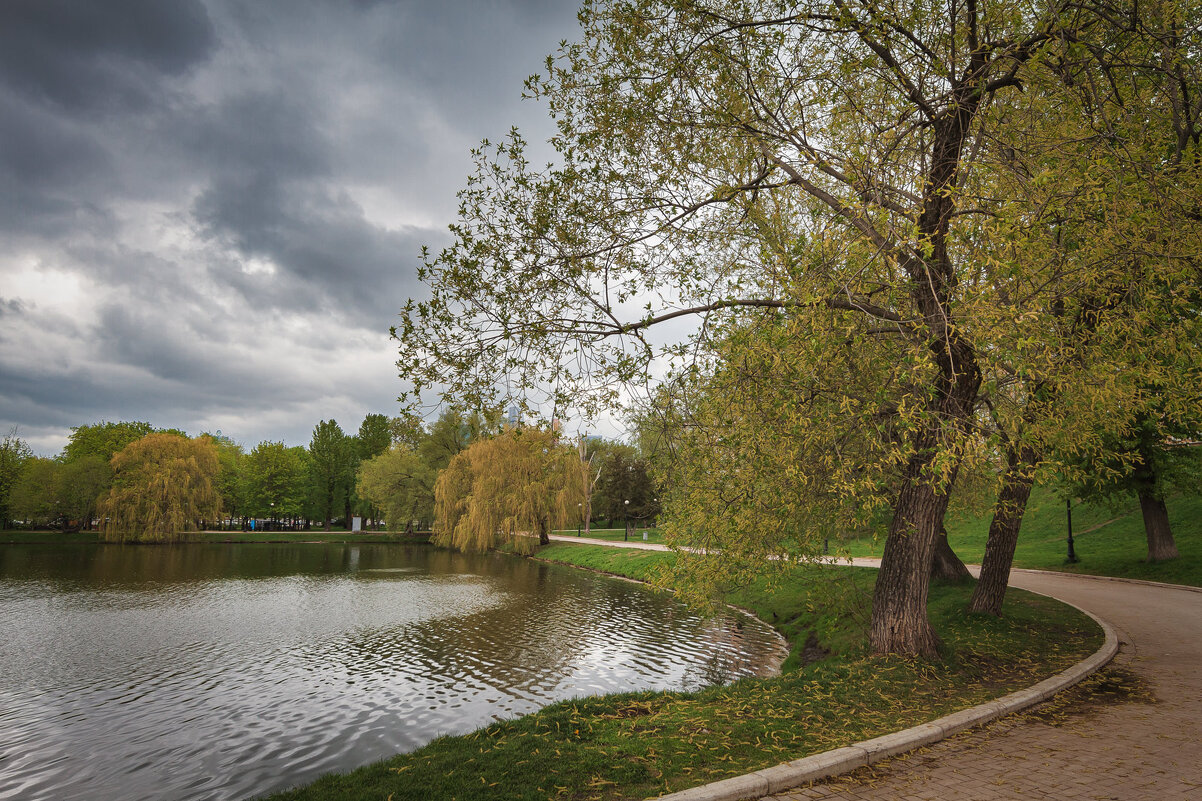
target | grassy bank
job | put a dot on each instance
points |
(832, 693)
(58, 537)
(1108, 542)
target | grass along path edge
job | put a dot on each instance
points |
(635, 745)
(786, 776)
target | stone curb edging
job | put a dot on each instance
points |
(786, 776)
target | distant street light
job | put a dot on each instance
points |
(1072, 553)
(579, 517)
(626, 530)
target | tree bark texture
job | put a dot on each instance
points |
(1161, 545)
(945, 565)
(899, 623)
(1008, 512)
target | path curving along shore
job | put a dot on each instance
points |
(1136, 750)
(1140, 749)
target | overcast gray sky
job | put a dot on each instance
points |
(211, 210)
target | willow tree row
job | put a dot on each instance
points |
(911, 239)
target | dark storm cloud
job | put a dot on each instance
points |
(211, 207)
(103, 58)
(325, 256)
(44, 161)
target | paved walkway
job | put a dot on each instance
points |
(1127, 751)
(1132, 750)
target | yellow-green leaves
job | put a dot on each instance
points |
(514, 487)
(163, 486)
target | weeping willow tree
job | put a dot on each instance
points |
(512, 488)
(164, 485)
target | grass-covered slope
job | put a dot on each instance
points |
(1107, 541)
(642, 744)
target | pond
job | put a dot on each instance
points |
(227, 671)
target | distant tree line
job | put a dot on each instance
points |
(133, 481)
(610, 480)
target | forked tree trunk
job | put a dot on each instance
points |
(1003, 533)
(1161, 545)
(945, 565)
(899, 623)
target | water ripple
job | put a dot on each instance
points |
(222, 672)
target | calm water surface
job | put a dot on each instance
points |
(226, 671)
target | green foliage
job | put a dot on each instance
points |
(374, 437)
(786, 444)
(1149, 458)
(34, 495)
(81, 484)
(509, 488)
(400, 483)
(163, 486)
(277, 481)
(452, 433)
(624, 489)
(14, 454)
(332, 463)
(231, 478)
(107, 439)
(61, 494)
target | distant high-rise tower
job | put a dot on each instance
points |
(514, 415)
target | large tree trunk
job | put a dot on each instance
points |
(1003, 533)
(1156, 525)
(946, 566)
(899, 623)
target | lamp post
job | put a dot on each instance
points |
(626, 530)
(1072, 553)
(579, 517)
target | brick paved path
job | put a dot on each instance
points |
(1132, 751)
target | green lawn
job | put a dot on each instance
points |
(1107, 542)
(636, 534)
(643, 744)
